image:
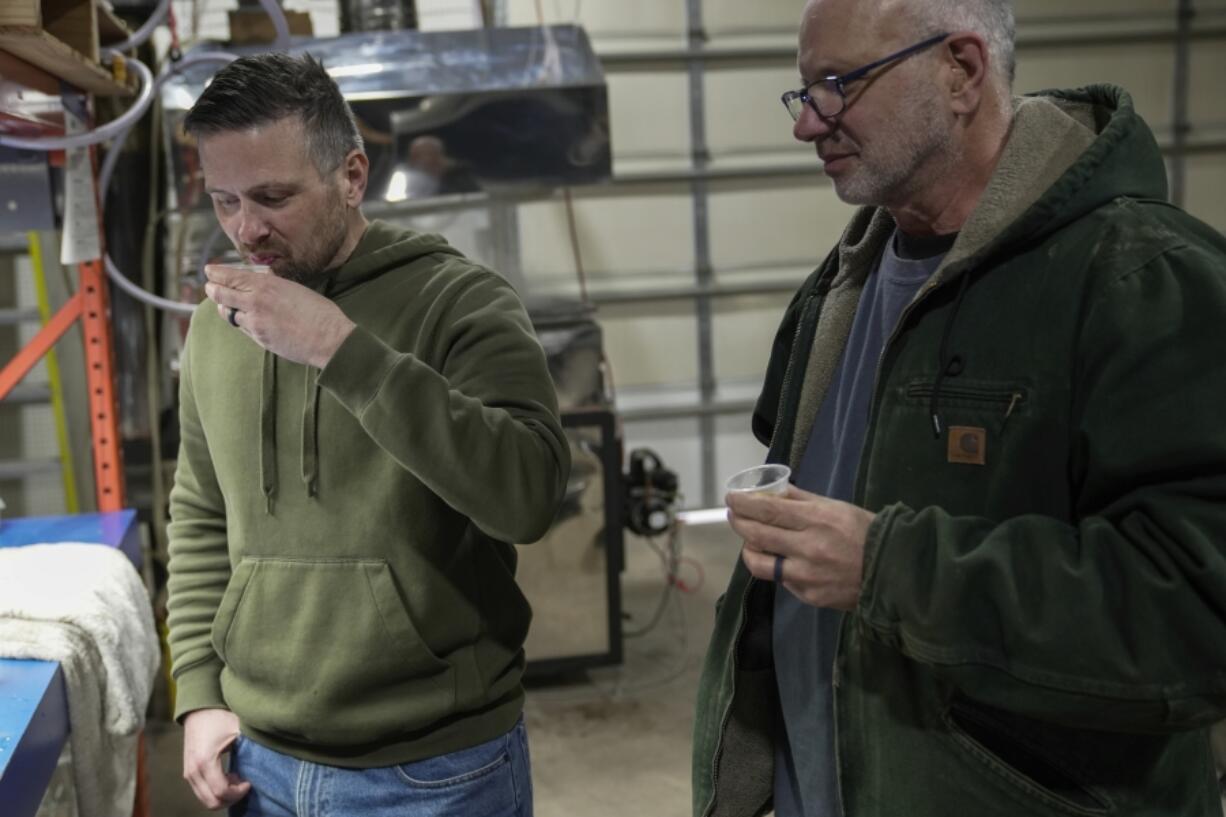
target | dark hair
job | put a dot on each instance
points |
(264, 88)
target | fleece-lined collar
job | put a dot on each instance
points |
(1067, 153)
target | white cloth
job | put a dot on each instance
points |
(85, 606)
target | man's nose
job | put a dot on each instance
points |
(811, 126)
(252, 227)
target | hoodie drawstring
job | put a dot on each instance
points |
(310, 433)
(310, 419)
(268, 430)
(947, 365)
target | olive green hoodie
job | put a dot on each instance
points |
(340, 576)
(1040, 629)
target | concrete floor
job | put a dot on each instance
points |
(614, 741)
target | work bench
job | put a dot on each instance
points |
(33, 703)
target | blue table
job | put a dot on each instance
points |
(33, 701)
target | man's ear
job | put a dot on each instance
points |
(357, 173)
(967, 62)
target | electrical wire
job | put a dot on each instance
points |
(145, 31)
(671, 561)
(618, 687)
(550, 71)
(120, 127)
(279, 23)
(103, 132)
(108, 170)
(153, 369)
(574, 247)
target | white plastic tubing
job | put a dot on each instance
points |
(119, 128)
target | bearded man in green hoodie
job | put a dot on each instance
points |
(364, 432)
(996, 585)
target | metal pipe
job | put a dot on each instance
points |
(1180, 126)
(686, 293)
(707, 410)
(103, 132)
(704, 273)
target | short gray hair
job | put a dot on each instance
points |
(992, 19)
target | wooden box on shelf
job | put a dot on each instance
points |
(64, 39)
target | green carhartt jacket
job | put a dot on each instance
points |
(1042, 623)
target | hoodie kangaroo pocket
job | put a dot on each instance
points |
(325, 651)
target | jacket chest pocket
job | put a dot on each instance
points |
(992, 405)
(1000, 449)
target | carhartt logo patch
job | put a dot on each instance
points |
(968, 445)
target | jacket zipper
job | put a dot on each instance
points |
(925, 292)
(723, 724)
(857, 497)
(740, 630)
(1009, 398)
(835, 681)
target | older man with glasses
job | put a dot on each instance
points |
(996, 585)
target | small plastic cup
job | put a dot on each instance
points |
(245, 267)
(765, 479)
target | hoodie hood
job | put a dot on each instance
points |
(383, 249)
(1069, 153)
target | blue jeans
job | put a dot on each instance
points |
(491, 779)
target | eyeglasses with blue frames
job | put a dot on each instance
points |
(828, 95)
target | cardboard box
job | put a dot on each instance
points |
(253, 26)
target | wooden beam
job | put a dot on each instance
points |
(31, 76)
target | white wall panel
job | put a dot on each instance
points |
(744, 114)
(1145, 71)
(746, 328)
(1206, 181)
(625, 19)
(635, 237)
(1045, 9)
(649, 115)
(732, 18)
(651, 344)
(759, 226)
(736, 447)
(1207, 99)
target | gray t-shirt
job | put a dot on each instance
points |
(804, 636)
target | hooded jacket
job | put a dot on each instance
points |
(1042, 622)
(340, 573)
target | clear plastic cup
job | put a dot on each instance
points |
(766, 479)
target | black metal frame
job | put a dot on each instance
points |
(614, 502)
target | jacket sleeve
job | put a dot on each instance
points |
(199, 559)
(1117, 619)
(482, 431)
